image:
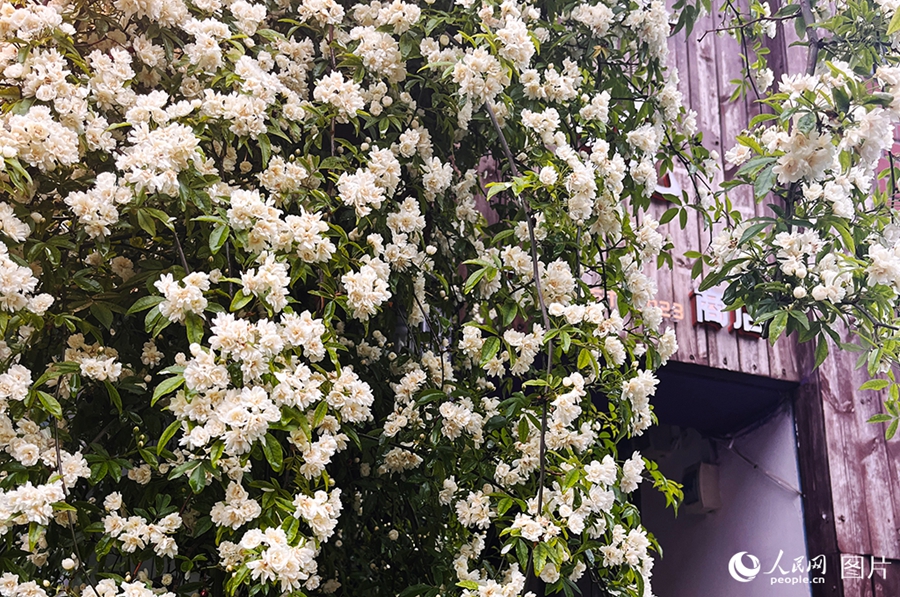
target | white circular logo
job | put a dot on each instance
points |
(742, 573)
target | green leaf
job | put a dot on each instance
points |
(509, 311)
(821, 352)
(114, 395)
(50, 404)
(265, 148)
(541, 553)
(786, 10)
(800, 317)
(197, 480)
(236, 579)
(102, 314)
(669, 215)
(216, 452)
(894, 25)
(522, 554)
(240, 300)
(490, 349)
(807, 123)
(891, 430)
(146, 223)
(697, 269)
(875, 384)
(584, 358)
(272, 449)
(217, 238)
(497, 187)
(166, 436)
(319, 415)
(474, 279)
(524, 427)
(57, 370)
(880, 418)
(183, 468)
(144, 303)
(764, 182)
(776, 328)
(166, 387)
(34, 535)
(194, 325)
(752, 231)
(565, 340)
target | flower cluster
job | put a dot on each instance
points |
(256, 252)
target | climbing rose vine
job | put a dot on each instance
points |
(316, 297)
(309, 297)
(824, 262)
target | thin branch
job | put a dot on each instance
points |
(875, 322)
(228, 261)
(181, 256)
(333, 67)
(434, 337)
(812, 36)
(529, 219)
(102, 432)
(69, 515)
(747, 24)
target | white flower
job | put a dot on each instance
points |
(517, 46)
(631, 473)
(343, 95)
(737, 155)
(113, 501)
(366, 290)
(361, 191)
(320, 511)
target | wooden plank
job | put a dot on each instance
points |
(813, 463)
(872, 464)
(705, 98)
(753, 357)
(892, 474)
(858, 587)
(691, 339)
(887, 584)
(786, 35)
(665, 296)
(849, 499)
(782, 357)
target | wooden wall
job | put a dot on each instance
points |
(705, 67)
(849, 474)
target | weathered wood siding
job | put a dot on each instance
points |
(850, 474)
(705, 68)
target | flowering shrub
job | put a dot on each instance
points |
(827, 257)
(259, 334)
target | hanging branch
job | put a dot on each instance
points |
(529, 219)
(69, 514)
(812, 37)
(181, 256)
